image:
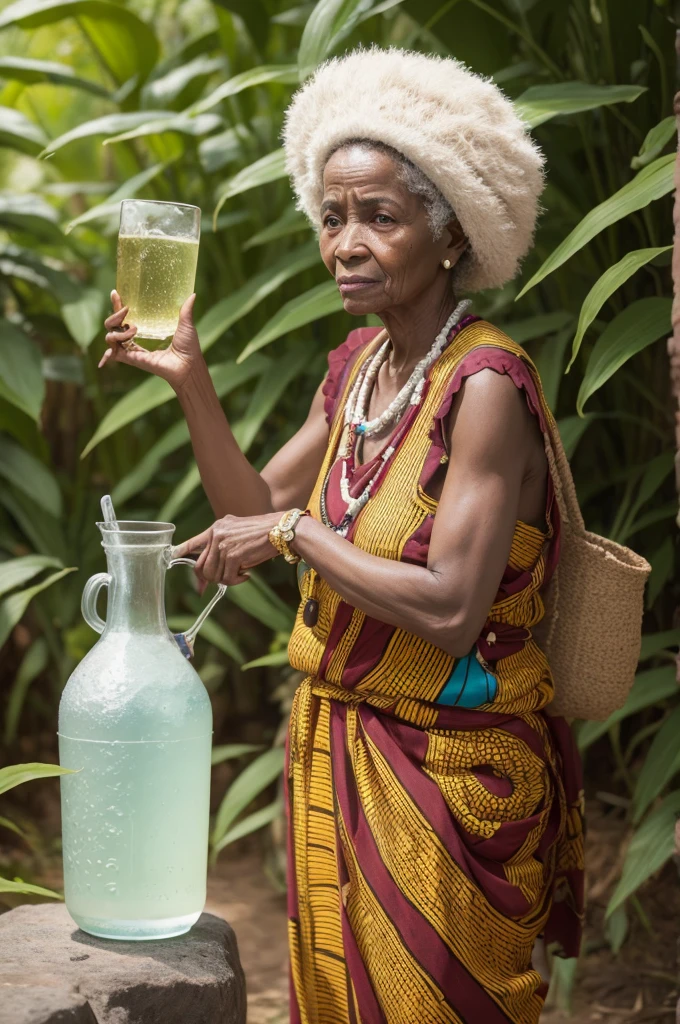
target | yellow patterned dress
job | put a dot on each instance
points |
(435, 819)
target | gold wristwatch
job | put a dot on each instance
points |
(284, 532)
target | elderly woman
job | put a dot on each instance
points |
(435, 827)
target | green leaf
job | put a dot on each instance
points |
(652, 643)
(329, 22)
(258, 75)
(154, 391)
(179, 494)
(18, 132)
(21, 380)
(537, 326)
(225, 313)
(28, 212)
(30, 475)
(649, 849)
(270, 387)
(652, 182)
(109, 124)
(33, 663)
(616, 929)
(202, 124)
(274, 659)
(164, 90)
(650, 687)
(16, 774)
(572, 429)
(605, 286)
(6, 823)
(27, 889)
(257, 599)
(254, 16)
(661, 561)
(84, 317)
(14, 606)
(290, 222)
(229, 751)
(17, 571)
(30, 72)
(637, 326)
(314, 304)
(125, 43)
(661, 763)
(254, 821)
(271, 167)
(542, 102)
(657, 138)
(111, 206)
(549, 361)
(252, 781)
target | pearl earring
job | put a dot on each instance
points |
(446, 264)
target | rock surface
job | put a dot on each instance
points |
(53, 973)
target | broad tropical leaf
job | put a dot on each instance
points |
(18, 132)
(288, 223)
(202, 124)
(542, 102)
(637, 326)
(229, 751)
(572, 429)
(15, 774)
(32, 213)
(21, 380)
(329, 22)
(649, 849)
(268, 168)
(109, 124)
(31, 476)
(30, 72)
(656, 140)
(84, 316)
(652, 182)
(27, 889)
(33, 663)
(254, 15)
(111, 206)
(661, 763)
(125, 43)
(605, 286)
(286, 74)
(275, 659)
(14, 606)
(650, 687)
(252, 781)
(256, 599)
(165, 90)
(314, 304)
(652, 643)
(270, 387)
(537, 326)
(17, 571)
(258, 819)
(210, 631)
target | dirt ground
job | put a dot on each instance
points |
(639, 985)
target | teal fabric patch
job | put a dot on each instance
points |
(469, 685)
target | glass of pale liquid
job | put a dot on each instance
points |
(157, 255)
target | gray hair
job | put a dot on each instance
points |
(439, 210)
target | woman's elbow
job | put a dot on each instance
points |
(456, 633)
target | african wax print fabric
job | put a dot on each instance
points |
(434, 808)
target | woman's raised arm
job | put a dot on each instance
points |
(232, 485)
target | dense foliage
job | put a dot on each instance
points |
(103, 101)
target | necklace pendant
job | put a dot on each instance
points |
(310, 613)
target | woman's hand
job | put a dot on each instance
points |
(174, 364)
(230, 546)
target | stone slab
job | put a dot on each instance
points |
(53, 973)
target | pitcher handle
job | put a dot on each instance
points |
(88, 605)
(185, 641)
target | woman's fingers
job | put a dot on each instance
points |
(193, 545)
(116, 318)
(210, 567)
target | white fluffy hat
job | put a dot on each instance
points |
(456, 126)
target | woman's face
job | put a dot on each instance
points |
(375, 237)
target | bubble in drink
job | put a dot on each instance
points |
(155, 276)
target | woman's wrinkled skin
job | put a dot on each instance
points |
(373, 228)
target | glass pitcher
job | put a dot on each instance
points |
(135, 721)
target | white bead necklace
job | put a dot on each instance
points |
(358, 401)
(357, 404)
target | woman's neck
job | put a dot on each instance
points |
(412, 330)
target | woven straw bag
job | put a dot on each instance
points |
(591, 631)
